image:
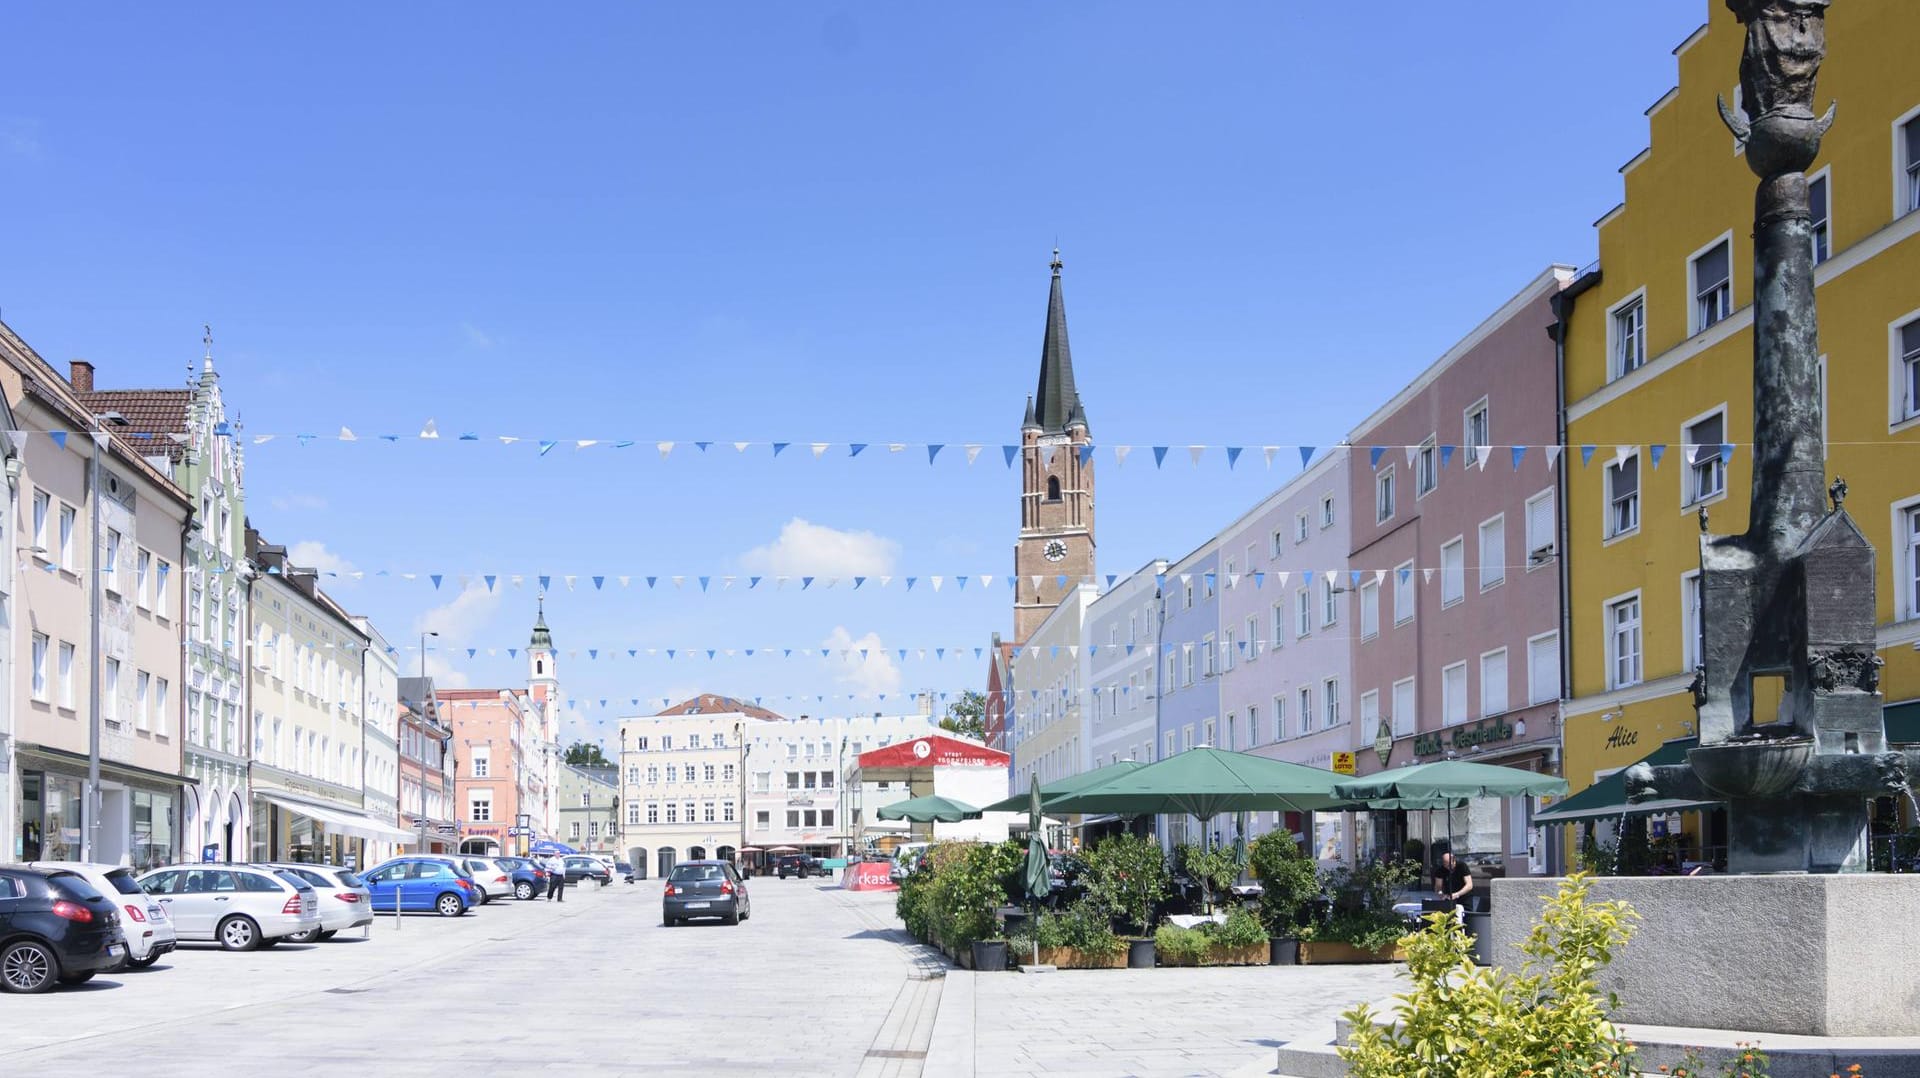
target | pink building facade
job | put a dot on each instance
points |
(1456, 602)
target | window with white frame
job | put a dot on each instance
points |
(1330, 701)
(1279, 543)
(1493, 682)
(1279, 624)
(1306, 709)
(160, 587)
(40, 643)
(42, 508)
(1405, 710)
(1543, 668)
(1329, 602)
(1542, 528)
(573, 830)
(1906, 346)
(1302, 612)
(481, 761)
(1403, 593)
(1369, 610)
(1186, 589)
(1253, 636)
(1909, 157)
(1629, 329)
(1227, 645)
(67, 519)
(1383, 496)
(1477, 430)
(1819, 198)
(1453, 571)
(1206, 734)
(1326, 511)
(633, 814)
(1623, 495)
(1186, 669)
(1369, 712)
(110, 574)
(1279, 718)
(480, 805)
(1301, 524)
(110, 707)
(142, 702)
(1712, 276)
(653, 811)
(1691, 625)
(1253, 726)
(1173, 670)
(1706, 467)
(161, 727)
(1493, 551)
(65, 672)
(1453, 694)
(1623, 642)
(1426, 469)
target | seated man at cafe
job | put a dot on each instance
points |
(1452, 880)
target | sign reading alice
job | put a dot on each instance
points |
(1462, 738)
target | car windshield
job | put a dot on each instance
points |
(697, 873)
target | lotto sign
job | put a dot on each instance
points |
(1343, 763)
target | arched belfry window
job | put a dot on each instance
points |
(539, 666)
(1053, 488)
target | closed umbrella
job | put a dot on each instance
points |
(1039, 874)
(928, 810)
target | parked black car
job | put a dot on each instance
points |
(57, 928)
(581, 867)
(798, 864)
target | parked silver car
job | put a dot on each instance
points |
(142, 919)
(240, 907)
(345, 901)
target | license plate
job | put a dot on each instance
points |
(698, 905)
(113, 950)
(155, 913)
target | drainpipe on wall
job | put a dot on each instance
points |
(9, 826)
(1562, 305)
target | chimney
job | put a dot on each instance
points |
(81, 377)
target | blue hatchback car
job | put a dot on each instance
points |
(421, 885)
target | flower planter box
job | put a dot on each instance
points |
(1326, 952)
(1255, 955)
(1069, 958)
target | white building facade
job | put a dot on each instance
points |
(380, 739)
(1122, 638)
(683, 774)
(1048, 678)
(796, 778)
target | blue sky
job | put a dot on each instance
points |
(784, 223)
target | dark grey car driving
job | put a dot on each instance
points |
(705, 889)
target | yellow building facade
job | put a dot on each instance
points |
(1658, 377)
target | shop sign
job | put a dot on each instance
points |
(1383, 741)
(1343, 763)
(1622, 738)
(1463, 738)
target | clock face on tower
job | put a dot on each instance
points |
(1056, 550)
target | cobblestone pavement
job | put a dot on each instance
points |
(817, 982)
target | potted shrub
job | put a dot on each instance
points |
(1080, 937)
(1289, 882)
(1239, 941)
(1176, 946)
(1364, 926)
(1215, 869)
(1126, 877)
(967, 887)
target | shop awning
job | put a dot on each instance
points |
(1607, 799)
(343, 820)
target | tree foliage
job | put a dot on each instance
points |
(967, 716)
(586, 754)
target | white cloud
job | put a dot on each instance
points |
(313, 554)
(808, 549)
(868, 675)
(296, 502)
(476, 336)
(459, 617)
(444, 674)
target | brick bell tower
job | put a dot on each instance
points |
(1056, 485)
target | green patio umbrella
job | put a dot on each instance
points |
(1205, 782)
(1038, 877)
(1449, 780)
(1072, 784)
(928, 810)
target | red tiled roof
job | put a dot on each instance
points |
(152, 415)
(708, 703)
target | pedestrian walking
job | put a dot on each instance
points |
(556, 879)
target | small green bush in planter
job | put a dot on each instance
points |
(1126, 878)
(1181, 946)
(1289, 880)
(1241, 930)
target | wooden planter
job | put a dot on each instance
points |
(1255, 955)
(1326, 952)
(1068, 958)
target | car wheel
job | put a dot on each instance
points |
(28, 966)
(238, 934)
(523, 890)
(732, 918)
(307, 936)
(328, 934)
(143, 963)
(449, 905)
(77, 978)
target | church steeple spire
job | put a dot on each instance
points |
(1057, 402)
(541, 637)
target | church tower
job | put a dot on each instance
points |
(1056, 481)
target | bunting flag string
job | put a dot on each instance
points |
(1477, 455)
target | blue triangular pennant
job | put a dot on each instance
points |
(1159, 455)
(1011, 451)
(1654, 453)
(778, 446)
(436, 581)
(1519, 454)
(1586, 455)
(854, 449)
(1374, 454)
(1233, 456)
(933, 451)
(1306, 455)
